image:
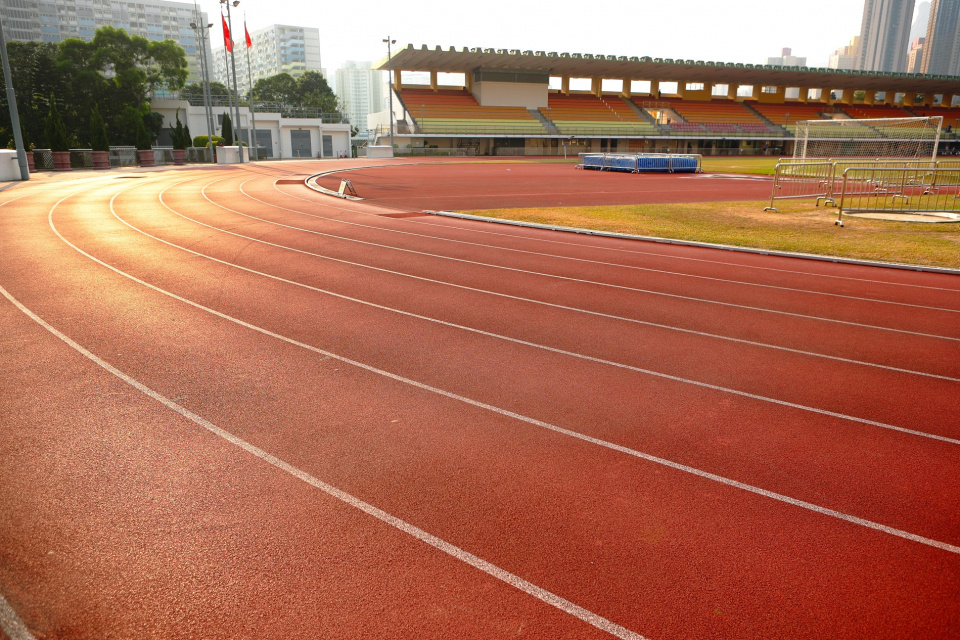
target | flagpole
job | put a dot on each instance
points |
(254, 147)
(233, 61)
(227, 44)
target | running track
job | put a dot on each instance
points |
(235, 408)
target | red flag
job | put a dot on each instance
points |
(247, 33)
(226, 34)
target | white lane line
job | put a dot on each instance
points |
(630, 252)
(450, 549)
(539, 302)
(607, 264)
(568, 279)
(534, 345)
(906, 535)
(10, 623)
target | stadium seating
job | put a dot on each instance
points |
(582, 113)
(951, 117)
(718, 116)
(457, 111)
(862, 111)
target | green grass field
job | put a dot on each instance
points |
(800, 226)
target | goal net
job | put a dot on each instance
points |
(868, 138)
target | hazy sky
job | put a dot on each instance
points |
(724, 31)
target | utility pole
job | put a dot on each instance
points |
(14, 114)
(390, 88)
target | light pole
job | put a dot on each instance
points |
(233, 66)
(14, 115)
(390, 88)
(205, 78)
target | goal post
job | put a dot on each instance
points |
(868, 138)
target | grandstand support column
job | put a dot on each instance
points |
(565, 85)
(732, 91)
(870, 97)
(654, 89)
(468, 81)
(804, 95)
(433, 80)
(847, 96)
(596, 86)
(909, 99)
(889, 97)
(928, 99)
(626, 90)
(824, 96)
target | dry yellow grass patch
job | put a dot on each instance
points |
(800, 227)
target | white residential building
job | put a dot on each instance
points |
(787, 59)
(845, 57)
(360, 91)
(57, 20)
(276, 49)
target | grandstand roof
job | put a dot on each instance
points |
(578, 65)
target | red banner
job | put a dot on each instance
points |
(226, 34)
(247, 33)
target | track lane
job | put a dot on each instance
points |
(928, 320)
(562, 406)
(641, 348)
(832, 285)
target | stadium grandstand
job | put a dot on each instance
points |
(513, 102)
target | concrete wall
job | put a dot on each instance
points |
(510, 94)
(278, 126)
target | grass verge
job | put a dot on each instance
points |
(799, 227)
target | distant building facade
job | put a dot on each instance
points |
(360, 91)
(276, 49)
(885, 35)
(845, 57)
(57, 20)
(915, 57)
(787, 59)
(942, 44)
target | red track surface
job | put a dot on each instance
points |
(492, 185)
(356, 425)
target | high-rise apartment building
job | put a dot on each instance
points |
(360, 90)
(885, 35)
(786, 58)
(845, 57)
(915, 57)
(57, 20)
(276, 49)
(941, 55)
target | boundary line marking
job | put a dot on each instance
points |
(10, 622)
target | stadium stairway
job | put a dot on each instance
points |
(640, 112)
(773, 127)
(549, 126)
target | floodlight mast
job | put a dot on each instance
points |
(14, 114)
(390, 88)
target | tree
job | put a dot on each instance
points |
(144, 142)
(227, 130)
(279, 88)
(180, 136)
(54, 129)
(98, 131)
(193, 92)
(313, 91)
(34, 77)
(138, 65)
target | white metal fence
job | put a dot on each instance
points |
(904, 191)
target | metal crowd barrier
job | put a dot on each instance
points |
(821, 180)
(123, 156)
(905, 190)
